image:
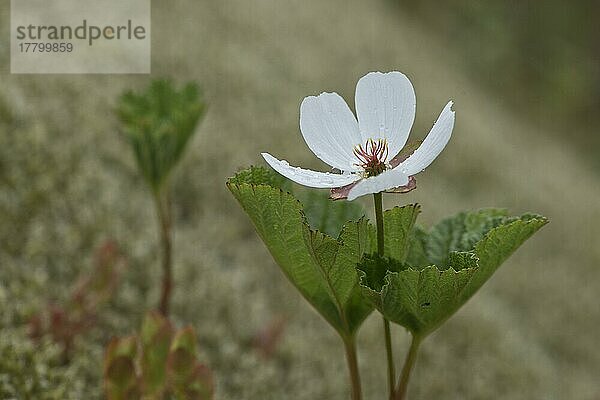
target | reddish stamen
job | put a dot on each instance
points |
(372, 156)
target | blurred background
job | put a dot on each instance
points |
(525, 80)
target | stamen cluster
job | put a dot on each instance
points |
(372, 156)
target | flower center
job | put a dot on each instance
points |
(372, 156)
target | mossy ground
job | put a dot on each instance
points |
(69, 182)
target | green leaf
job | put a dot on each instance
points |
(322, 214)
(419, 300)
(336, 261)
(155, 338)
(326, 215)
(182, 356)
(120, 380)
(189, 380)
(158, 124)
(372, 271)
(498, 244)
(181, 364)
(468, 247)
(261, 176)
(398, 226)
(167, 364)
(460, 232)
(185, 339)
(322, 268)
(199, 386)
(417, 253)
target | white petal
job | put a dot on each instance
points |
(433, 144)
(385, 106)
(387, 180)
(330, 130)
(307, 177)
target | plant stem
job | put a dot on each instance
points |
(409, 363)
(377, 198)
(163, 208)
(390, 357)
(350, 347)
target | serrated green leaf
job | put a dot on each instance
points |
(322, 214)
(261, 176)
(158, 124)
(498, 244)
(336, 261)
(490, 234)
(398, 225)
(321, 267)
(459, 233)
(372, 272)
(417, 253)
(325, 215)
(421, 298)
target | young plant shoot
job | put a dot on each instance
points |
(413, 277)
(158, 124)
(159, 362)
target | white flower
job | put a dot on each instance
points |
(385, 106)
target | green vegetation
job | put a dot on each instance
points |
(446, 265)
(320, 266)
(445, 269)
(156, 364)
(158, 125)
